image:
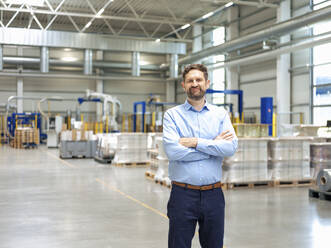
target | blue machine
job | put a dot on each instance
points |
(143, 111)
(82, 99)
(267, 112)
(231, 92)
(25, 119)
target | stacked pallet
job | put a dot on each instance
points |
(249, 164)
(289, 160)
(25, 138)
(131, 149)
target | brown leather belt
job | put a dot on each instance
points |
(205, 187)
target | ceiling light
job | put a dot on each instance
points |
(157, 40)
(185, 26)
(100, 12)
(67, 49)
(88, 24)
(37, 3)
(69, 59)
(229, 4)
(207, 15)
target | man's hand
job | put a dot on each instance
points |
(226, 135)
(188, 142)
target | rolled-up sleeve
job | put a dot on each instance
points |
(220, 148)
(174, 150)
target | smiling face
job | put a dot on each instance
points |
(195, 84)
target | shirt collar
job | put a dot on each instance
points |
(188, 106)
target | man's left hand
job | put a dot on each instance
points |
(188, 142)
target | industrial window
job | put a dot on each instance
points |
(321, 72)
(218, 74)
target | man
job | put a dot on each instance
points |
(197, 136)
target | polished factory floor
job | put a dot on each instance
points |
(46, 202)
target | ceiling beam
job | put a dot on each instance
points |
(107, 17)
(34, 37)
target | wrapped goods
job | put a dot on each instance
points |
(242, 172)
(249, 163)
(290, 170)
(250, 149)
(151, 140)
(294, 148)
(131, 148)
(25, 137)
(324, 180)
(320, 157)
(320, 152)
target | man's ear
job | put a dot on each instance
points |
(183, 85)
(208, 83)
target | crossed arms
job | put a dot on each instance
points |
(192, 148)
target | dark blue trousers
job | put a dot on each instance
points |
(186, 208)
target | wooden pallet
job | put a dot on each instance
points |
(149, 174)
(248, 185)
(293, 183)
(315, 193)
(142, 164)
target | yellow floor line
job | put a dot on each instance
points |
(61, 160)
(131, 198)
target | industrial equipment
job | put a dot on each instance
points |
(110, 113)
(155, 117)
(231, 92)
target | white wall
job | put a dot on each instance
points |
(126, 91)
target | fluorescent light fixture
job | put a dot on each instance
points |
(142, 62)
(69, 59)
(88, 24)
(157, 40)
(185, 26)
(67, 49)
(207, 15)
(100, 12)
(37, 3)
(229, 4)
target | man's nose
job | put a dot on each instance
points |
(195, 83)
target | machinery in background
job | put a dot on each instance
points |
(150, 118)
(239, 116)
(111, 108)
(54, 130)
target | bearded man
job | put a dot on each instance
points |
(197, 136)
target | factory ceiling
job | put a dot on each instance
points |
(144, 19)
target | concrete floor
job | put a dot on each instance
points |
(47, 202)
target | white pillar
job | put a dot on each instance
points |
(44, 59)
(171, 83)
(232, 73)
(88, 65)
(1, 57)
(19, 85)
(19, 94)
(283, 66)
(135, 64)
(99, 85)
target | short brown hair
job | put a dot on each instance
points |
(199, 67)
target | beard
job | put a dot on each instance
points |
(195, 95)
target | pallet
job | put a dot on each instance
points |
(102, 160)
(149, 174)
(293, 183)
(249, 185)
(315, 193)
(139, 164)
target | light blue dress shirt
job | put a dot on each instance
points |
(201, 165)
